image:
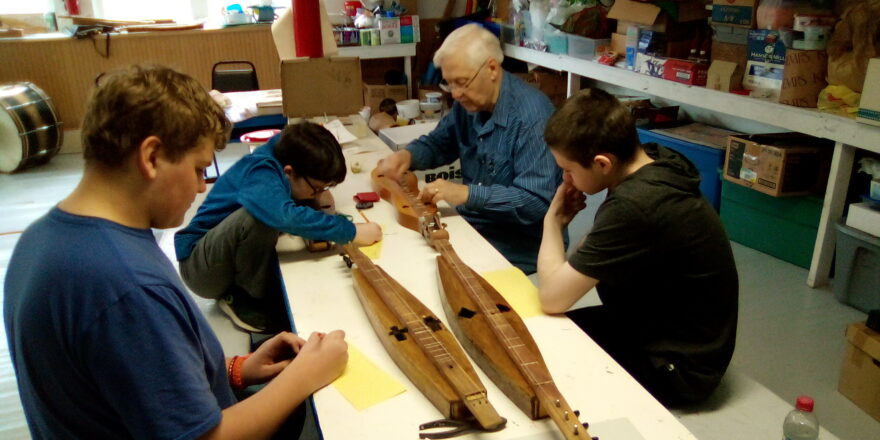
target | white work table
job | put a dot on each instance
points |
(321, 296)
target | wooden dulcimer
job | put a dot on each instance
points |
(421, 346)
(488, 328)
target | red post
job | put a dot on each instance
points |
(307, 28)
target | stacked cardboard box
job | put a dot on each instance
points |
(731, 22)
(860, 372)
(673, 36)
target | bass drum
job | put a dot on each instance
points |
(30, 133)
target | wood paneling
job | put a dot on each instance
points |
(65, 68)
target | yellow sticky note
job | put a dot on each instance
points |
(363, 383)
(373, 251)
(517, 289)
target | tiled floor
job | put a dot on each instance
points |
(790, 337)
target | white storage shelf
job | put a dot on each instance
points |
(847, 133)
(404, 50)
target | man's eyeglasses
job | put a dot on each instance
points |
(317, 190)
(446, 87)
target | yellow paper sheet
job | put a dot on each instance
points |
(372, 251)
(363, 383)
(517, 289)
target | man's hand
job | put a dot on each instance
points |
(395, 165)
(323, 358)
(270, 358)
(367, 233)
(567, 202)
(440, 189)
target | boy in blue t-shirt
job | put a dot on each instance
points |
(227, 251)
(105, 340)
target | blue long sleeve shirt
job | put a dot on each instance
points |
(510, 173)
(258, 184)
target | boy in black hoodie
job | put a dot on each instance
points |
(658, 254)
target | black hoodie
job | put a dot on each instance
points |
(666, 272)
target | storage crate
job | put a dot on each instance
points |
(709, 161)
(587, 48)
(557, 42)
(857, 269)
(784, 227)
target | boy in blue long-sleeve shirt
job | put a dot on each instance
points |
(227, 251)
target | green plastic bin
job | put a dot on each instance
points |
(784, 227)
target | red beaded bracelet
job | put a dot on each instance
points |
(234, 371)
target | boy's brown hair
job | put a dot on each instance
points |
(312, 151)
(134, 103)
(592, 122)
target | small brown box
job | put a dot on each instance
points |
(860, 372)
(321, 86)
(724, 76)
(779, 164)
(375, 93)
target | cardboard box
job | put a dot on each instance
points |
(766, 63)
(374, 94)
(803, 78)
(618, 44)
(650, 65)
(869, 107)
(780, 164)
(735, 53)
(649, 14)
(319, 86)
(389, 30)
(724, 76)
(685, 72)
(860, 372)
(734, 12)
(553, 84)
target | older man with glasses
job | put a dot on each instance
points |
(496, 128)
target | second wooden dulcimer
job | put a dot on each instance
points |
(488, 328)
(420, 345)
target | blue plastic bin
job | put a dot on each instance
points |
(709, 161)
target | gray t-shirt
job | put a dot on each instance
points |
(665, 268)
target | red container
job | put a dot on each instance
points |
(351, 7)
(307, 28)
(686, 72)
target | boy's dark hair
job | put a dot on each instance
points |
(388, 106)
(592, 122)
(312, 152)
(134, 103)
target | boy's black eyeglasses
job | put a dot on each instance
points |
(446, 87)
(315, 189)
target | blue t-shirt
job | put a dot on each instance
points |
(105, 340)
(258, 184)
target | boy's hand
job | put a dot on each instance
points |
(367, 233)
(323, 358)
(270, 358)
(395, 165)
(567, 202)
(455, 194)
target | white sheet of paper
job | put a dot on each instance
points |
(339, 131)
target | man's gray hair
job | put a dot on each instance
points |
(472, 42)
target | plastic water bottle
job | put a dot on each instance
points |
(801, 423)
